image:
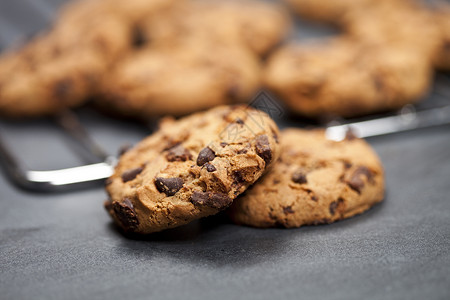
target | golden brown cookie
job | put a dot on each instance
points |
(344, 78)
(315, 181)
(191, 168)
(179, 80)
(62, 67)
(253, 24)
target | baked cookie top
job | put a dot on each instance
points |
(314, 181)
(256, 25)
(191, 168)
(176, 81)
(338, 77)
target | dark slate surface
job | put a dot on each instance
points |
(63, 246)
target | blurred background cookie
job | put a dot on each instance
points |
(179, 80)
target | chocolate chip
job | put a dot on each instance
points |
(334, 205)
(178, 153)
(125, 213)
(169, 186)
(214, 200)
(356, 182)
(131, 174)
(223, 144)
(205, 155)
(210, 168)
(62, 88)
(138, 38)
(288, 210)
(263, 148)
(276, 181)
(347, 164)
(299, 177)
(239, 121)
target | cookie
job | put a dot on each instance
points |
(315, 181)
(395, 23)
(191, 168)
(256, 25)
(176, 81)
(339, 77)
(60, 68)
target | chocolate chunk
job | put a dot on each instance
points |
(214, 200)
(239, 121)
(62, 88)
(299, 177)
(169, 186)
(334, 205)
(210, 168)
(138, 37)
(263, 148)
(178, 153)
(223, 144)
(347, 164)
(125, 213)
(131, 174)
(288, 210)
(356, 182)
(205, 155)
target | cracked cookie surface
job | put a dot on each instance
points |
(191, 168)
(315, 181)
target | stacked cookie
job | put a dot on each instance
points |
(383, 60)
(142, 58)
(201, 164)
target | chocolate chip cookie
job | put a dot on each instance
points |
(191, 168)
(256, 25)
(60, 68)
(315, 181)
(176, 81)
(339, 77)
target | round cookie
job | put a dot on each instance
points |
(179, 80)
(339, 77)
(256, 25)
(191, 168)
(395, 23)
(60, 68)
(315, 181)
